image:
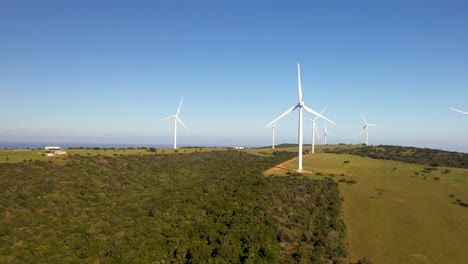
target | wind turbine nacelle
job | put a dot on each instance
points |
(301, 104)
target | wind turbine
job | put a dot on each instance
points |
(176, 119)
(314, 129)
(466, 113)
(366, 128)
(325, 133)
(273, 132)
(300, 105)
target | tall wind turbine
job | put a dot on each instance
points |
(466, 113)
(273, 133)
(366, 128)
(176, 119)
(300, 105)
(314, 129)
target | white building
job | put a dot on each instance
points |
(53, 148)
(54, 151)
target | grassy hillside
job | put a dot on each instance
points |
(187, 208)
(398, 212)
(15, 156)
(427, 156)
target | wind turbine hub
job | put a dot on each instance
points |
(301, 104)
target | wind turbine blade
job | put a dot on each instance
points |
(182, 123)
(169, 117)
(374, 125)
(282, 115)
(363, 118)
(317, 114)
(456, 110)
(299, 81)
(178, 110)
(321, 113)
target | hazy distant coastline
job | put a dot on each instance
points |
(35, 145)
(65, 145)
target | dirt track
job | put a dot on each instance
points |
(279, 167)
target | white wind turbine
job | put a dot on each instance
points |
(466, 113)
(326, 133)
(176, 119)
(314, 129)
(273, 132)
(300, 105)
(366, 128)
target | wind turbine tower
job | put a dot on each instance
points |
(176, 119)
(366, 128)
(300, 105)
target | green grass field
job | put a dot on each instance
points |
(394, 215)
(14, 156)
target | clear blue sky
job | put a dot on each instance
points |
(108, 71)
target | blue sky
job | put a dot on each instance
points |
(108, 71)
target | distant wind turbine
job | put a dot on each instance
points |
(176, 119)
(314, 128)
(273, 132)
(366, 128)
(466, 113)
(300, 105)
(326, 133)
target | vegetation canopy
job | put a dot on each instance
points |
(182, 208)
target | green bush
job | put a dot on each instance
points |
(349, 182)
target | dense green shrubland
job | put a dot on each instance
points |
(432, 157)
(184, 208)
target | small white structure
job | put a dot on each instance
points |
(53, 148)
(52, 151)
(238, 147)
